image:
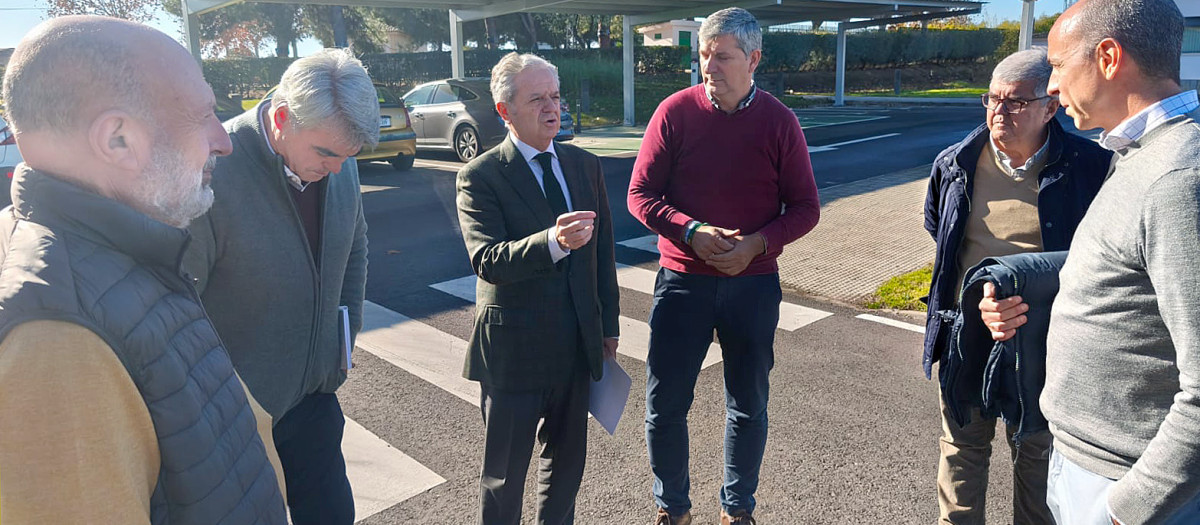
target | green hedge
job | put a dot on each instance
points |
(790, 52)
(782, 53)
(244, 76)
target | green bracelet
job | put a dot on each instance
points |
(691, 232)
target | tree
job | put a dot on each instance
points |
(244, 39)
(365, 31)
(1043, 24)
(422, 26)
(135, 10)
(281, 21)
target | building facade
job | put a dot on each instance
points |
(1189, 71)
(673, 33)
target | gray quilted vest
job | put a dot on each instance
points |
(68, 254)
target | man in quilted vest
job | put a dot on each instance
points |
(118, 402)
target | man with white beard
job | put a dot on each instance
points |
(118, 401)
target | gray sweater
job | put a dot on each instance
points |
(1122, 388)
(275, 308)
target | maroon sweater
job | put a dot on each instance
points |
(732, 171)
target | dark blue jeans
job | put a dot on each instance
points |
(309, 441)
(744, 311)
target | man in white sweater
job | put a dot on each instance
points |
(1122, 390)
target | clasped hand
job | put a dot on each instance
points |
(726, 250)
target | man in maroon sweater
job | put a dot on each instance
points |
(723, 176)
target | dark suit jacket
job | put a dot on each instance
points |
(523, 336)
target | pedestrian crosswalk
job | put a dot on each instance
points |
(382, 475)
(792, 317)
(635, 335)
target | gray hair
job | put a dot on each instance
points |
(1025, 67)
(733, 21)
(1151, 31)
(507, 69)
(331, 87)
(69, 68)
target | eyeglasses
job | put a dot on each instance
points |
(1011, 105)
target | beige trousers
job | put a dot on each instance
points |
(962, 477)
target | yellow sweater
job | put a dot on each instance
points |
(77, 444)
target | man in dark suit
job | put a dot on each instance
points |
(535, 219)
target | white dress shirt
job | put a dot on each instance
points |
(557, 253)
(1133, 128)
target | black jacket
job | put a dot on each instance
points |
(1075, 169)
(1002, 378)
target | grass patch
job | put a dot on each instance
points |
(903, 292)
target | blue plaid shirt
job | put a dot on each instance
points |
(1133, 128)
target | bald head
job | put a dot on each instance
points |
(69, 69)
(119, 109)
(1149, 31)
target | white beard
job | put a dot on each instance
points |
(172, 192)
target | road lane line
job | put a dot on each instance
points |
(438, 164)
(892, 322)
(832, 147)
(380, 475)
(635, 334)
(855, 121)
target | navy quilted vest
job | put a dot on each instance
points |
(68, 254)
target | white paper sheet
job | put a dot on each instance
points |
(609, 395)
(347, 348)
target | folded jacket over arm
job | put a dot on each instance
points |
(1007, 380)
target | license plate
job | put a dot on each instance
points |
(385, 121)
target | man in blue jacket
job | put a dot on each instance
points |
(1019, 183)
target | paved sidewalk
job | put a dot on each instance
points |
(870, 231)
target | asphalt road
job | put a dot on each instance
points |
(854, 424)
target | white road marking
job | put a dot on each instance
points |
(636, 279)
(635, 334)
(380, 475)
(419, 349)
(648, 243)
(892, 322)
(371, 188)
(832, 147)
(856, 121)
(438, 165)
(792, 317)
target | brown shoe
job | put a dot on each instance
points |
(739, 517)
(664, 518)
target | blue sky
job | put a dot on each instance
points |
(18, 16)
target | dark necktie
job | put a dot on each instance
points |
(554, 192)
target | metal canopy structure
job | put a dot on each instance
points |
(849, 14)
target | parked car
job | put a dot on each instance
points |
(459, 114)
(397, 141)
(9, 158)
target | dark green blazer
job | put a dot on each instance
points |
(526, 321)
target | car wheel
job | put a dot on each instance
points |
(403, 162)
(466, 143)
